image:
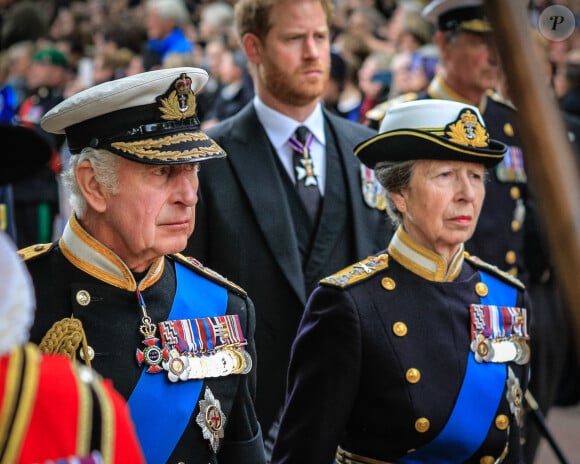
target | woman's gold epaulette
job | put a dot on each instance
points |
(212, 275)
(358, 272)
(496, 271)
(34, 251)
(377, 113)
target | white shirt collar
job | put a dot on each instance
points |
(280, 127)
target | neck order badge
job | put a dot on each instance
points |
(306, 182)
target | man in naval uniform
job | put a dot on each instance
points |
(88, 420)
(468, 72)
(175, 337)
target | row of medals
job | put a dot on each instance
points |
(514, 349)
(189, 366)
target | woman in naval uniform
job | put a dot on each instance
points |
(418, 354)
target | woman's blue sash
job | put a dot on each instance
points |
(475, 408)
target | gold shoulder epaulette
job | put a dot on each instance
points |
(496, 271)
(33, 251)
(194, 264)
(377, 113)
(500, 99)
(357, 272)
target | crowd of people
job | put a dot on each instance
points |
(326, 133)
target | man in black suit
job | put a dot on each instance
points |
(253, 226)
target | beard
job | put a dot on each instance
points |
(293, 88)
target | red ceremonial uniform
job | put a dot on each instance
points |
(54, 409)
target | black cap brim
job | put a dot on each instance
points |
(410, 144)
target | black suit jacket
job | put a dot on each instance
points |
(245, 230)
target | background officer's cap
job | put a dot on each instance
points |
(50, 56)
(149, 118)
(432, 129)
(458, 15)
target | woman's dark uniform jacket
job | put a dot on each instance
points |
(510, 215)
(375, 357)
(111, 321)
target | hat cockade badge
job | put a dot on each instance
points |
(211, 419)
(467, 130)
(180, 102)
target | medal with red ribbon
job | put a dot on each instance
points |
(499, 333)
(203, 347)
(151, 355)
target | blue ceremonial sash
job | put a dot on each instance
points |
(467, 428)
(160, 426)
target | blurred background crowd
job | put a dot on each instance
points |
(51, 49)
(382, 51)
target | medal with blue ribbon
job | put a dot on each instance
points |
(499, 333)
(203, 347)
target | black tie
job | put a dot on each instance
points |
(306, 182)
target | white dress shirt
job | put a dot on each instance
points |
(280, 128)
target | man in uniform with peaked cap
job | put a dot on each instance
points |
(468, 72)
(88, 420)
(175, 337)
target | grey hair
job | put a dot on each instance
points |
(106, 167)
(219, 15)
(170, 9)
(394, 177)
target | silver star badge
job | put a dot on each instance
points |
(515, 396)
(307, 171)
(211, 419)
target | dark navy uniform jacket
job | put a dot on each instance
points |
(379, 359)
(89, 282)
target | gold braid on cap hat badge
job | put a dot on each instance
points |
(180, 103)
(150, 148)
(476, 25)
(467, 131)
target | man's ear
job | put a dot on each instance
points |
(93, 192)
(252, 48)
(440, 39)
